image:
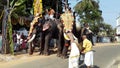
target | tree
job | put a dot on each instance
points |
(14, 8)
(89, 12)
(55, 4)
(106, 28)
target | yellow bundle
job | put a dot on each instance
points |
(38, 8)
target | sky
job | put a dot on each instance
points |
(110, 10)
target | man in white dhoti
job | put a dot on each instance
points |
(74, 53)
(87, 50)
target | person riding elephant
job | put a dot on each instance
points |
(51, 13)
(86, 31)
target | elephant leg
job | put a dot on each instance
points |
(59, 46)
(59, 51)
(46, 47)
(26, 50)
(60, 43)
(26, 47)
(41, 47)
(65, 49)
(31, 48)
(64, 53)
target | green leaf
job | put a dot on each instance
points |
(19, 3)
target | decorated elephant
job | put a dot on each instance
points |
(36, 37)
(42, 35)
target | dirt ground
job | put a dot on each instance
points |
(18, 59)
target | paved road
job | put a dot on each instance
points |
(103, 57)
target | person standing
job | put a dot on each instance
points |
(15, 39)
(87, 50)
(74, 52)
(18, 38)
(86, 31)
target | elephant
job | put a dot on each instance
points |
(36, 37)
(45, 31)
(54, 29)
(42, 35)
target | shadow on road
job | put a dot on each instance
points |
(82, 65)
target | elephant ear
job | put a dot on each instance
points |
(46, 26)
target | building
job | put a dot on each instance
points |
(118, 29)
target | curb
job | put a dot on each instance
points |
(106, 44)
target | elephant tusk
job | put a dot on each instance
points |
(31, 39)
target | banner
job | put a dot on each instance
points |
(118, 26)
(118, 30)
(118, 21)
(38, 8)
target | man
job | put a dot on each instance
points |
(86, 31)
(87, 50)
(74, 52)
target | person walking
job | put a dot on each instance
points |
(87, 50)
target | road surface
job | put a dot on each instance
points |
(104, 56)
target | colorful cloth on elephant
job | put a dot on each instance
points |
(68, 19)
(74, 56)
(35, 20)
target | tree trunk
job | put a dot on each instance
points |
(5, 47)
(10, 33)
